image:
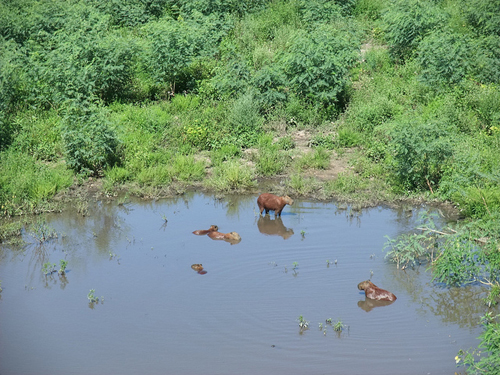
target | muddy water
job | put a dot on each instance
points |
(159, 316)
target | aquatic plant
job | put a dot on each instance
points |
(63, 263)
(295, 265)
(42, 232)
(303, 233)
(82, 207)
(486, 358)
(339, 326)
(303, 324)
(410, 249)
(48, 268)
(492, 297)
(91, 296)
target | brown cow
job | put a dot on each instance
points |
(374, 292)
(271, 202)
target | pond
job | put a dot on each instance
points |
(156, 315)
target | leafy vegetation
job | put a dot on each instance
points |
(157, 94)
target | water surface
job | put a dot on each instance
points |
(161, 317)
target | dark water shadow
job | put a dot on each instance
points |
(273, 227)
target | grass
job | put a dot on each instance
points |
(231, 176)
(318, 159)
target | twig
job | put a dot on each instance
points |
(428, 184)
(483, 240)
(485, 205)
(435, 231)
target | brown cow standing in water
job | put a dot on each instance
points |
(271, 202)
(374, 292)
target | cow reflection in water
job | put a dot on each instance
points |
(273, 227)
(369, 304)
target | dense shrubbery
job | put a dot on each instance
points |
(406, 23)
(90, 144)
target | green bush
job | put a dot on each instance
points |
(486, 62)
(271, 83)
(322, 11)
(421, 152)
(90, 144)
(407, 22)
(131, 13)
(444, 57)
(177, 44)
(370, 9)
(317, 64)
(245, 121)
(475, 166)
(348, 138)
(83, 59)
(218, 6)
(482, 15)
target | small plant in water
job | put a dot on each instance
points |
(48, 268)
(492, 297)
(303, 233)
(295, 265)
(1, 285)
(303, 324)
(62, 263)
(328, 321)
(338, 326)
(42, 232)
(91, 296)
